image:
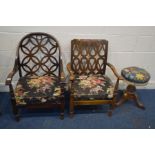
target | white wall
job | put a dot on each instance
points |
(128, 46)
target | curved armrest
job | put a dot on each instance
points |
(114, 71)
(71, 73)
(117, 75)
(10, 76)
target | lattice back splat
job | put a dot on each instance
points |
(38, 54)
(89, 56)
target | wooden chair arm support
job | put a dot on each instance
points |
(71, 73)
(62, 74)
(114, 71)
(10, 76)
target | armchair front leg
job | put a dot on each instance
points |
(71, 77)
(13, 100)
(115, 86)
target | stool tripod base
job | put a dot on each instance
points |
(130, 94)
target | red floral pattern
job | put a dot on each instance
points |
(36, 88)
(92, 87)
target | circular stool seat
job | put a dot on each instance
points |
(135, 75)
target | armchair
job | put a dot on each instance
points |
(89, 84)
(41, 77)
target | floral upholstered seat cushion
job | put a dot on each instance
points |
(135, 74)
(92, 87)
(36, 89)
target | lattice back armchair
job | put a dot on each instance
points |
(89, 85)
(41, 77)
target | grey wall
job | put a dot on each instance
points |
(128, 46)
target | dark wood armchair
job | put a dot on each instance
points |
(89, 85)
(41, 77)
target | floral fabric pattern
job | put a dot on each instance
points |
(92, 87)
(36, 89)
(135, 74)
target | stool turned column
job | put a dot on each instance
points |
(134, 76)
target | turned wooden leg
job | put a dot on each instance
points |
(16, 114)
(15, 111)
(14, 107)
(111, 108)
(17, 118)
(71, 107)
(62, 109)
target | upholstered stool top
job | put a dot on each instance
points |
(135, 75)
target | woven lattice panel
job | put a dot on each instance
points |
(89, 56)
(39, 55)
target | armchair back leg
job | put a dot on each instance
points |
(71, 106)
(62, 108)
(110, 110)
